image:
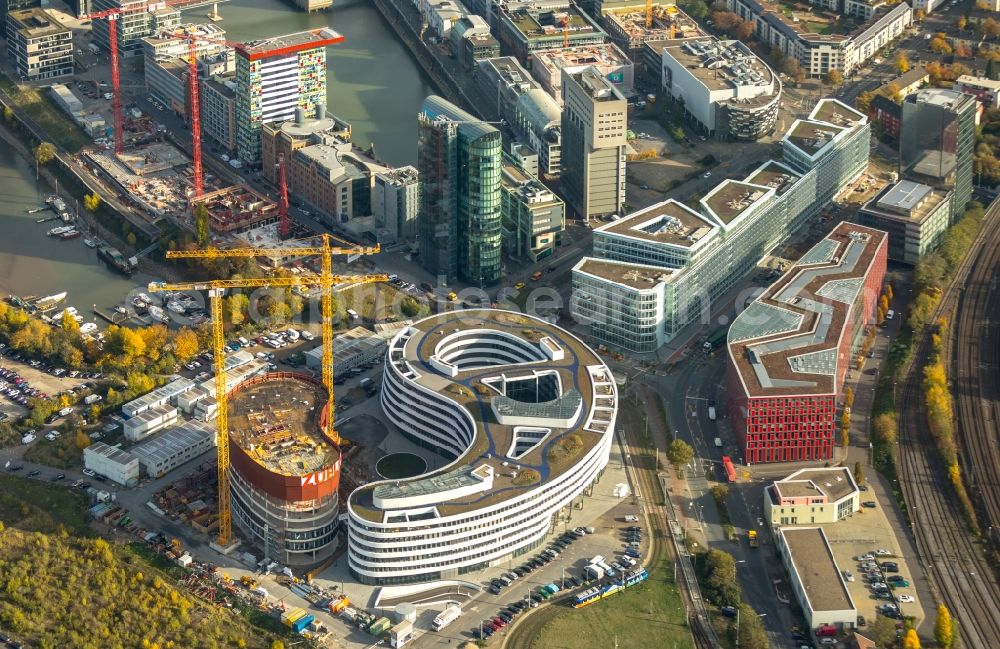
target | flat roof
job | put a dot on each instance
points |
(602, 55)
(837, 112)
(37, 23)
(597, 86)
(787, 341)
(811, 137)
(835, 483)
(289, 43)
(532, 190)
(817, 569)
(978, 82)
(731, 198)
(116, 455)
(723, 65)
(173, 441)
(906, 201)
(546, 23)
(477, 388)
(775, 175)
(668, 222)
(638, 276)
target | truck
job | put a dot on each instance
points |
(365, 383)
(446, 617)
(715, 340)
(754, 540)
(718, 442)
(594, 571)
(380, 626)
(727, 466)
(711, 413)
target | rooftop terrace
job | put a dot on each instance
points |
(534, 24)
(774, 175)
(637, 276)
(811, 137)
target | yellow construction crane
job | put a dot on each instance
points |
(216, 290)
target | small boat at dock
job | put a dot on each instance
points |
(69, 234)
(55, 232)
(90, 243)
(49, 301)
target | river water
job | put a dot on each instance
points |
(373, 83)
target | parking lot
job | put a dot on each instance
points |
(868, 533)
(21, 380)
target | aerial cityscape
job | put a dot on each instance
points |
(526, 324)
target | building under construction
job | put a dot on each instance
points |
(285, 471)
(628, 28)
(237, 209)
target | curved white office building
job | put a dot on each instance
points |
(527, 413)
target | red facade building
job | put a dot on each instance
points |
(790, 349)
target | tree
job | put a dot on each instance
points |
(679, 453)
(91, 202)
(884, 428)
(409, 306)
(202, 232)
(919, 15)
(69, 323)
(277, 644)
(696, 9)
(940, 45)
(744, 31)
(130, 239)
(848, 397)
(888, 292)
(883, 631)
(791, 67)
(834, 78)
(81, 439)
(943, 633)
(884, 303)
(752, 633)
(185, 345)
(45, 153)
(236, 306)
(911, 640)
(902, 63)
(961, 22)
(859, 473)
(720, 493)
(864, 100)
(8, 114)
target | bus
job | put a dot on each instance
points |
(727, 465)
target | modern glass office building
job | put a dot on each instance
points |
(459, 160)
(662, 268)
(942, 156)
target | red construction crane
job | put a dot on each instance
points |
(285, 225)
(195, 101)
(112, 16)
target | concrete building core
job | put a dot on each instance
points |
(238, 208)
(285, 470)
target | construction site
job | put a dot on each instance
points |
(285, 470)
(630, 28)
(237, 208)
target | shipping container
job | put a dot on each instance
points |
(301, 623)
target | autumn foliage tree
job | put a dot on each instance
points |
(911, 640)
(944, 634)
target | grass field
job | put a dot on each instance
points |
(40, 506)
(376, 302)
(648, 616)
(59, 128)
(61, 454)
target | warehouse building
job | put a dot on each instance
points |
(789, 350)
(167, 451)
(916, 216)
(148, 422)
(112, 463)
(810, 496)
(816, 580)
(727, 92)
(38, 46)
(160, 396)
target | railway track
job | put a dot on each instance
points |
(961, 575)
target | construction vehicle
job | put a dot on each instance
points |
(216, 290)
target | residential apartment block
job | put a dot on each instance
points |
(594, 126)
(788, 352)
(987, 91)
(820, 53)
(459, 161)
(38, 46)
(662, 268)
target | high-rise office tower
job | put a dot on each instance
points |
(459, 160)
(938, 143)
(17, 5)
(138, 20)
(594, 125)
(273, 78)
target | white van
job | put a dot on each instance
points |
(243, 342)
(889, 314)
(352, 314)
(307, 335)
